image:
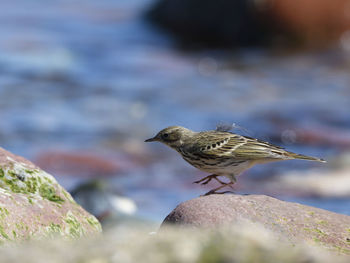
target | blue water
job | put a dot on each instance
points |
(94, 77)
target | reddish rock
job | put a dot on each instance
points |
(34, 205)
(289, 221)
(315, 22)
(323, 136)
(77, 163)
(6, 159)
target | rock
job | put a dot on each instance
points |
(207, 22)
(80, 164)
(34, 205)
(102, 200)
(135, 244)
(292, 222)
(315, 23)
(243, 22)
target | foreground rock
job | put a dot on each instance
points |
(34, 205)
(134, 244)
(291, 222)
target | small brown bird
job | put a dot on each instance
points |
(222, 153)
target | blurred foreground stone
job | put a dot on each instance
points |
(34, 205)
(291, 222)
(242, 244)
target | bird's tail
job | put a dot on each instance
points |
(305, 157)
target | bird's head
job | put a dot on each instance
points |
(173, 136)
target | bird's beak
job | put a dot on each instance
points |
(151, 139)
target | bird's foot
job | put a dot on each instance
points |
(224, 192)
(214, 191)
(207, 179)
(217, 193)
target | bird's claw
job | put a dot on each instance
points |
(217, 193)
(206, 182)
(214, 191)
(206, 179)
(200, 181)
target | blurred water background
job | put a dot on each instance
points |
(84, 83)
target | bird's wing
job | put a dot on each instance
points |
(226, 144)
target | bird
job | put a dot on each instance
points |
(222, 153)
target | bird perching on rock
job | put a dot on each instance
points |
(222, 153)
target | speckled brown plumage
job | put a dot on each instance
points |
(222, 153)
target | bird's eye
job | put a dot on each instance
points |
(165, 135)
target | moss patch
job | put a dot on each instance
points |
(92, 221)
(54, 230)
(30, 200)
(74, 227)
(342, 250)
(315, 230)
(68, 197)
(322, 222)
(32, 185)
(3, 233)
(19, 179)
(49, 192)
(3, 212)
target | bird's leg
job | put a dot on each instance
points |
(233, 181)
(218, 180)
(220, 187)
(208, 178)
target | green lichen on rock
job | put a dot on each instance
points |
(322, 222)
(32, 185)
(3, 233)
(32, 171)
(54, 230)
(30, 200)
(21, 226)
(49, 192)
(74, 227)
(17, 178)
(92, 221)
(316, 231)
(316, 240)
(342, 250)
(68, 197)
(3, 212)
(34, 206)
